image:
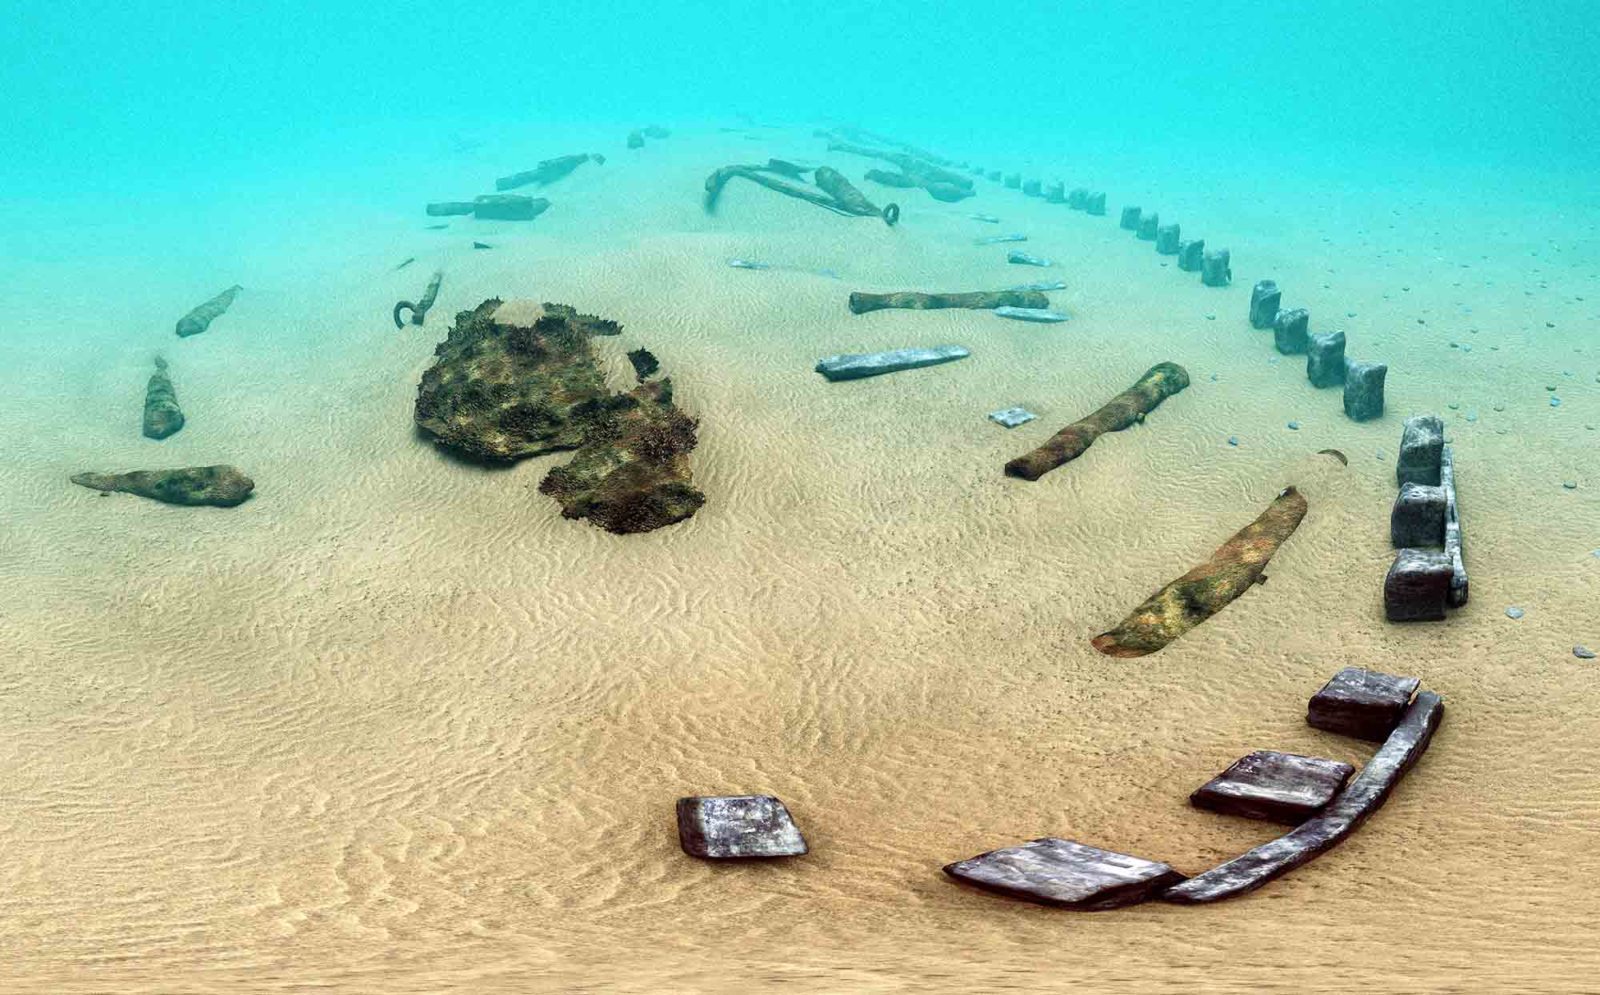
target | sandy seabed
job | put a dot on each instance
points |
(396, 726)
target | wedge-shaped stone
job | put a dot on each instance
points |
(1041, 315)
(737, 826)
(1061, 872)
(1278, 787)
(1361, 703)
(855, 366)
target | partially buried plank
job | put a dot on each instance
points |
(1353, 806)
(1210, 587)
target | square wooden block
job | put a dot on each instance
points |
(1061, 872)
(737, 826)
(1278, 787)
(1361, 703)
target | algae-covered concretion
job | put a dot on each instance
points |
(522, 380)
(1160, 382)
(1208, 588)
(548, 171)
(220, 486)
(162, 416)
(200, 318)
(861, 303)
(941, 184)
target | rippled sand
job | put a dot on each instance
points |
(395, 726)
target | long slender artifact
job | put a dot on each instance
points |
(1208, 588)
(1160, 382)
(920, 170)
(845, 192)
(162, 416)
(419, 309)
(220, 486)
(546, 172)
(861, 303)
(1348, 810)
(200, 318)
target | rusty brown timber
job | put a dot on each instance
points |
(861, 303)
(1208, 588)
(1160, 382)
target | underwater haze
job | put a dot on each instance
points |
(434, 448)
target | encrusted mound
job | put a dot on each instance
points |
(502, 390)
(632, 472)
(220, 486)
(519, 381)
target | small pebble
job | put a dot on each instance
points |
(1514, 612)
(1555, 402)
(1453, 406)
(1349, 314)
(1233, 440)
(1472, 416)
(1273, 361)
(1294, 426)
(1570, 485)
(1209, 317)
(1583, 652)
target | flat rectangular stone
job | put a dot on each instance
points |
(1012, 417)
(1363, 389)
(1064, 873)
(1042, 315)
(1361, 703)
(1325, 359)
(737, 826)
(1291, 331)
(1452, 528)
(1278, 787)
(854, 366)
(1021, 258)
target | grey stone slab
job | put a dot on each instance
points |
(1167, 240)
(737, 826)
(1265, 299)
(1023, 259)
(1216, 268)
(1191, 254)
(1277, 787)
(1417, 586)
(1096, 204)
(1418, 517)
(1041, 315)
(1363, 796)
(1421, 450)
(1361, 703)
(1291, 331)
(1363, 390)
(1148, 224)
(1325, 359)
(1130, 219)
(1012, 417)
(855, 366)
(1452, 528)
(1066, 873)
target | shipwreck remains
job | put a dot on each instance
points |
(1128, 408)
(833, 192)
(1207, 589)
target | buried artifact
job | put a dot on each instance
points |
(162, 416)
(200, 318)
(1202, 592)
(419, 309)
(218, 486)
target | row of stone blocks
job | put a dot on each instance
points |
(1312, 793)
(1428, 574)
(1081, 199)
(1215, 266)
(1326, 363)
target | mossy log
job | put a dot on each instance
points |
(1210, 587)
(546, 172)
(200, 318)
(219, 486)
(1129, 407)
(162, 416)
(861, 303)
(419, 309)
(632, 472)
